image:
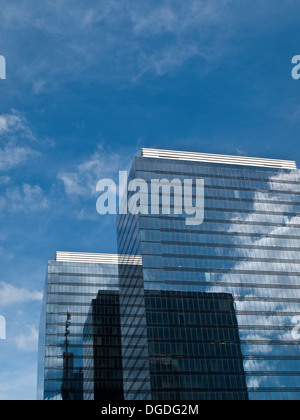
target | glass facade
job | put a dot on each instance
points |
(80, 338)
(194, 346)
(210, 315)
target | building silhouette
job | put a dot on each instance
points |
(103, 373)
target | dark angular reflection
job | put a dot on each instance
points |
(103, 373)
(194, 346)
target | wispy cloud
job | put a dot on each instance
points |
(12, 156)
(16, 125)
(25, 199)
(82, 179)
(10, 295)
(16, 141)
(124, 40)
(18, 382)
(28, 342)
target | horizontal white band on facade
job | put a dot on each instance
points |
(79, 257)
(222, 159)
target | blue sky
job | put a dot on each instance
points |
(89, 83)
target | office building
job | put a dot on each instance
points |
(80, 341)
(216, 301)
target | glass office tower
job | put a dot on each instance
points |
(211, 313)
(80, 330)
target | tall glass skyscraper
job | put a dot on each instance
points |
(213, 312)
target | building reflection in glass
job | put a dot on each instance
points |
(103, 374)
(72, 380)
(194, 346)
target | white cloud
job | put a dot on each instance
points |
(81, 180)
(24, 199)
(126, 39)
(15, 124)
(12, 156)
(16, 139)
(4, 180)
(28, 342)
(18, 383)
(10, 295)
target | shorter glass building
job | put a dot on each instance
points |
(80, 334)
